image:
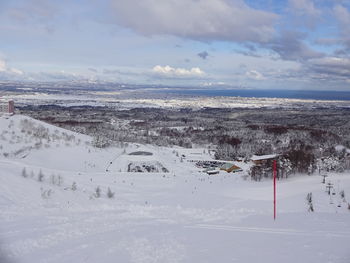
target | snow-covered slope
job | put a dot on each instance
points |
(51, 210)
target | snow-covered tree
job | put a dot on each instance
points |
(100, 142)
(74, 186)
(110, 194)
(329, 163)
(41, 176)
(309, 202)
(284, 167)
(97, 193)
(24, 173)
(342, 195)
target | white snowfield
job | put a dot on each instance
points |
(52, 212)
(127, 100)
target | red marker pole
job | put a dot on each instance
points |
(274, 188)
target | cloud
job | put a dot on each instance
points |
(93, 70)
(248, 53)
(168, 71)
(16, 71)
(330, 67)
(343, 17)
(37, 12)
(204, 20)
(57, 76)
(2, 65)
(203, 54)
(5, 70)
(290, 46)
(304, 7)
(125, 71)
(256, 75)
(323, 71)
(327, 41)
(111, 71)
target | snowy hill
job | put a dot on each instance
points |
(63, 200)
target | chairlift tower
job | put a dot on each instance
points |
(329, 187)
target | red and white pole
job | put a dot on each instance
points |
(274, 188)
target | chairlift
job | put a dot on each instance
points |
(329, 186)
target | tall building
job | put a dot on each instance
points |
(7, 107)
(11, 107)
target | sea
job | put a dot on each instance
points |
(265, 93)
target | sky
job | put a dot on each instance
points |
(277, 44)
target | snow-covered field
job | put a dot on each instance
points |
(130, 100)
(182, 215)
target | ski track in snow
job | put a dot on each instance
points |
(272, 231)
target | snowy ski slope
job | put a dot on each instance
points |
(182, 215)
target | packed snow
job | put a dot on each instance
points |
(63, 200)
